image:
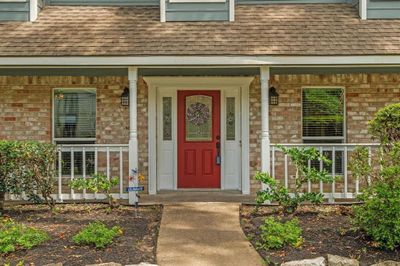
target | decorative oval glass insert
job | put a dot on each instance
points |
(198, 118)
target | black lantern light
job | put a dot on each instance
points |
(273, 96)
(125, 97)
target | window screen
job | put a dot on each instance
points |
(323, 113)
(74, 113)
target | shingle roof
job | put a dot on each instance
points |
(297, 29)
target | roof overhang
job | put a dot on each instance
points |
(173, 61)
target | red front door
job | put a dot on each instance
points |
(199, 160)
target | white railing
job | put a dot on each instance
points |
(109, 159)
(84, 160)
(346, 187)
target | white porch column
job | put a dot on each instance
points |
(133, 141)
(265, 140)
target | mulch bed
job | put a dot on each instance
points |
(137, 244)
(326, 230)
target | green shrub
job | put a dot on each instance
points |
(27, 167)
(97, 234)
(276, 234)
(379, 216)
(97, 183)
(15, 236)
(304, 174)
(385, 126)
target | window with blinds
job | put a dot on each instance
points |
(323, 120)
(323, 114)
(74, 114)
(75, 123)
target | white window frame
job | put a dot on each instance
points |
(344, 137)
(163, 12)
(53, 116)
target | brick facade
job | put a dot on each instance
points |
(365, 94)
(26, 108)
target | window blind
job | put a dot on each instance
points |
(74, 113)
(323, 113)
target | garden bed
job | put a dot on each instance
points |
(137, 243)
(326, 230)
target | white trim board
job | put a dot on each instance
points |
(141, 61)
(169, 86)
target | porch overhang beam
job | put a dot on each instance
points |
(171, 61)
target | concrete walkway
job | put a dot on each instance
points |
(203, 234)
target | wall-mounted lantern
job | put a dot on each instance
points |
(273, 96)
(125, 97)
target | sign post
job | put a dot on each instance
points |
(134, 179)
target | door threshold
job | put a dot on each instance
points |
(183, 190)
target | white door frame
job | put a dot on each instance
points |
(198, 83)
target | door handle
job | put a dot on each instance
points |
(218, 158)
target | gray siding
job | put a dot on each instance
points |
(383, 9)
(197, 11)
(14, 11)
(104, 2)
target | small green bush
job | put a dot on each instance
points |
(385, 126)
(97, 234)
(15, 236)
(304, 174)
(276, 234)
(27, 167)
(379, 216)
(97, 183)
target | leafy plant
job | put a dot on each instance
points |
(359, 163)
(304, 174)
(97, 234)
(15, 236)
(27, 167)
(385, 126)
(97, 183)
(276, 234)
(379, 216)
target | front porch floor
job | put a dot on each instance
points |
(189, 195)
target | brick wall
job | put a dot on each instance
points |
(365, 94)
(255, 132)
(26, 110)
